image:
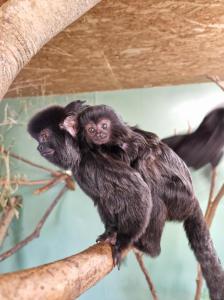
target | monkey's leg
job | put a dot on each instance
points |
(150, 240)
(122, 242)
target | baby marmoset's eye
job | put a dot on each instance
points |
(104, 126)
(91, 129)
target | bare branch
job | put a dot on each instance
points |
(36, 232)
(66, 279)
(27, 161)
(217, 81)
(8, 215)
(140, 261)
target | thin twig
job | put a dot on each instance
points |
(211, 192)
(217, 81)
(24, 182)
(214, 206)
(50, 184)
(140, 261)
(36, 232)
(27, 161)
(7, 217)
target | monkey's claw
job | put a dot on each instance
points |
(116, 254)
(108, 237)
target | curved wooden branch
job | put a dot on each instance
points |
(66, 279)
(27, 25)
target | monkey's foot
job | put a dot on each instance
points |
(116, 254)
(108, 237)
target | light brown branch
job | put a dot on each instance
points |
(36, 232)
(28, 161)
(217, 81)
(50, 184)
(58, 178)
(140, 261)
(24, 182)
(27, 25)
(66, 279)
(199, 283)
(7, 217)
(214, 206)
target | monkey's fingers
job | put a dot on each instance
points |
(110, 238)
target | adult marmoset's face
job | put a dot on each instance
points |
(52, 147)
(99, 133)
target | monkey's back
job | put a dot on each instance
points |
(168, 177)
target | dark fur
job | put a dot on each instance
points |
(204, 145)
(122, 197)
(171, 188)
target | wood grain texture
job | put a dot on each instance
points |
(129, 44)
(66, 279)
(27, 25)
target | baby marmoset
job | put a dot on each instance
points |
(103, 133)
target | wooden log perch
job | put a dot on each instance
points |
(27, 25)
(65, 279)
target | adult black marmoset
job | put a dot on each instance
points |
(122, 197)
(103, 134)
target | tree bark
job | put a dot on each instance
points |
(66, 279)
(26, 25)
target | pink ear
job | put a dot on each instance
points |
(69, 125)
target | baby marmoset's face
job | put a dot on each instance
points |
(98, 132)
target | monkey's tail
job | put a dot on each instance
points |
(202, 245)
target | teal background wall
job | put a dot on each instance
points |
(74, 224)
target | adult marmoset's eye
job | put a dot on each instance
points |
(91, 130)
(104, 125)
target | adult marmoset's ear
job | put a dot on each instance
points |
(70, 125)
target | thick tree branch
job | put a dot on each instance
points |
(66, 279)
(27, 25)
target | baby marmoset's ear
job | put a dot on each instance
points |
(70, 125)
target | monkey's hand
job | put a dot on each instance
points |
(108, 237)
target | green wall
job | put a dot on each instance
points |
(74, 224)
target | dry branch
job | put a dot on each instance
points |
(7, 216)
(24, 182)
(140, 261)
(36, 232)
(66, 279)
(217, 81)
(26, 161)
(27, 25)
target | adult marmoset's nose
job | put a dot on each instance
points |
(40, 148)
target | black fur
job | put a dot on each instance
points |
(124, 188)
(122, 197)
(172, 195)
(204, 145)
